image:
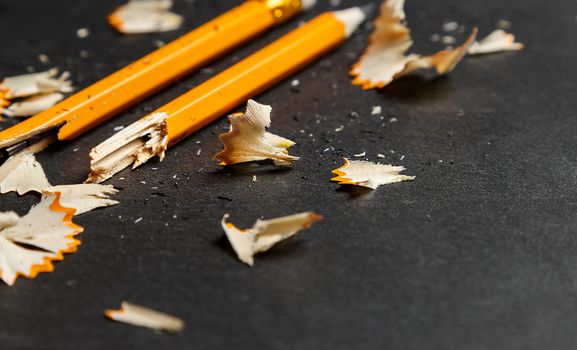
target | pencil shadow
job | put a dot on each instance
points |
(418, 88)
(356, 191)
(252, 168)
(223, 244)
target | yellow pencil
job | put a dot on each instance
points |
(109, 96)
(153, 134)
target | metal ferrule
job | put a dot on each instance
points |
(283, 10)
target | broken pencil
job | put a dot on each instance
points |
(106, 98)
(154, 133)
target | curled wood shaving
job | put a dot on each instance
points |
(249, 141)
(22, 173)
(367, 174)
(498, 41)
(386, 57)
(265, 233)
(33, 104)
(145, 16)
(36, 83)
(144, 317)
(29, 244)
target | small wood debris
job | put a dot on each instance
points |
(450, 26)
(145, 16)
(29, 244)
(144, 317)
(83, 33)
(498, 41)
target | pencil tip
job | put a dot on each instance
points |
(354, 16)
(368, 9)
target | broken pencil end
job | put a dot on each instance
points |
(134, 145)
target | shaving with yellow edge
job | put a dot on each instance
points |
(386, 57)
(22, 173)
(368, 174)
(145, 16)
(265, 233)
(29, 94)
(144, 317)
(29, 244)
(249, 141)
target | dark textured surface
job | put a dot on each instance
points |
(479, 252)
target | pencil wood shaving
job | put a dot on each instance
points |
(33, 105)
(29, 94)
(386, 57)
(144, 317)
(265, 233)
(135, 145)
(145, 16)
(22, 173)
(29, 244)
(36, 83)
(368, 174)
(84, 197)
(498, 41)
(249, 141)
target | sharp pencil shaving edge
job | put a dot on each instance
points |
(218, 95)
(97, 103)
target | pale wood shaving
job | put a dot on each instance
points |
(144, 317)
(368, 174)
(498, 41)
(145, 16)
(29, 244)
(265, 233)
(249, 141)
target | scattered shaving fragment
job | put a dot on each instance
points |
(265, 233)
(85, 197)
(386, 57)
(377, 110)
(144, 317)
(36, 83)
(249, 141)
(145, 16)
(22, 173)
(33, 105)
(29, 244)
(368, 174)
(450, 26)
(498, 41)
(135, 144)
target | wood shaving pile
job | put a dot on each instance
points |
(29, 94)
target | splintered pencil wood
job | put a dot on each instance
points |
(210, 100)
(104, 99)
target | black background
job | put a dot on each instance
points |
(479, 252)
